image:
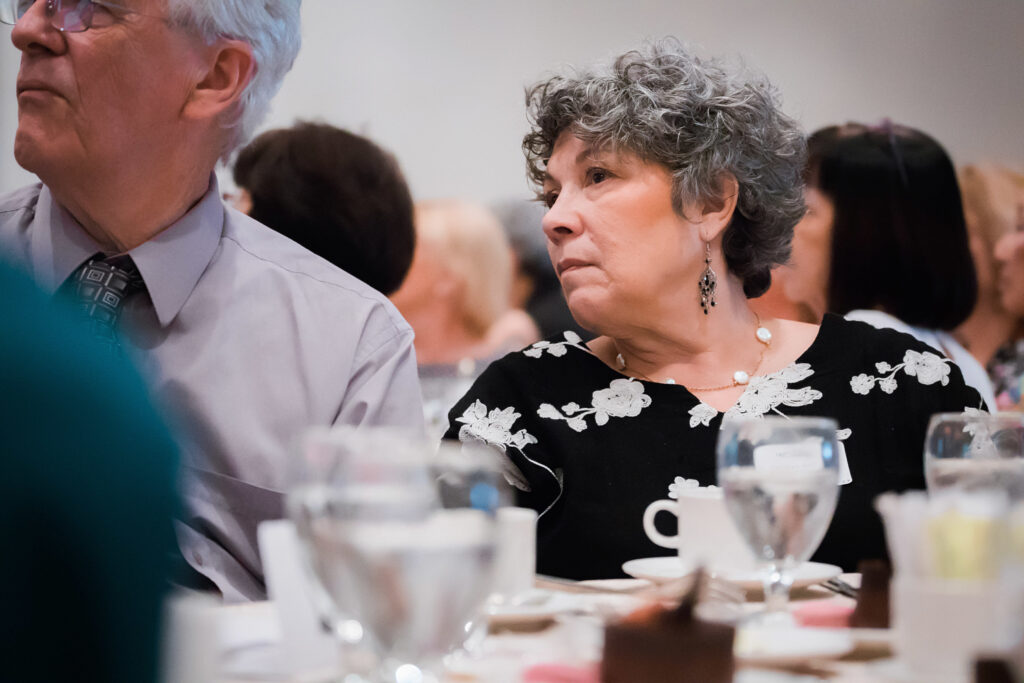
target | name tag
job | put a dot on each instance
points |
(801, 457)
(792, 457)
(844, 467)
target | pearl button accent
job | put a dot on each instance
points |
(740, 377)
(763, 335)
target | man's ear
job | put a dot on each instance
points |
(715, 215)
(229, 68)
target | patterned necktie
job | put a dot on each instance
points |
(98, 289)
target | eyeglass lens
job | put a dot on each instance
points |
(65, 15)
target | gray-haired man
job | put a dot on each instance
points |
(123, 111)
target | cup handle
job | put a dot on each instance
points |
(650, 513)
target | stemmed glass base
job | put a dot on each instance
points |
(777, 583)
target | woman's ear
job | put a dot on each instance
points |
(229, 68)
(715, 214)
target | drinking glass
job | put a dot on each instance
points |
(976, 451)
(780, 480)
(400, 539)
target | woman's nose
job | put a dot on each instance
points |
(562, 219)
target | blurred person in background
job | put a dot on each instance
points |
(456, 297)
(993, 196)
(673, 185)
(246, 337)
(535, 287)
(1007, 365)
(458, 286)
(87, 501)
(336, 193)
(884, 240)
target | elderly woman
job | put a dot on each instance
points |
(673, 184)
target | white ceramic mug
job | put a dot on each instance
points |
(705, 532)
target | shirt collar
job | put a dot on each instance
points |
(170, 263)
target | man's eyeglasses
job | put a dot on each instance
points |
(72, 16)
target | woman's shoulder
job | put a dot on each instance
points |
(885, 360)
(556, 361)
(865, 339)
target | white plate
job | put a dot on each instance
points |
(897, 671)
(769, 646)
(662, 569)
(659, 569)
(532, 606)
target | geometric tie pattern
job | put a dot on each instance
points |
(98, 290)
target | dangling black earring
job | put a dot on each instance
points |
(708, 281)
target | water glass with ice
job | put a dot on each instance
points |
(976, 451)
(780, 478)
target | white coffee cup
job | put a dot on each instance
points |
(940, 626)
(705, 532)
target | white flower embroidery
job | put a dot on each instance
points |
(766, 393)
(982, 445)
(763, 395)
(494, 427)
(680, 485)
(702, 414)
(557, 349)
(862, 384)
(927, 367)
(622, 398)
(677, 487)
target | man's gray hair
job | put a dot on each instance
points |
(700, 119)
(271, 27)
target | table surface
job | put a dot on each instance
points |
(250, 637)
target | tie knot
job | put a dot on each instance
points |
(99, 288)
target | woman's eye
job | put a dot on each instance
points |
(598, 175)
(549, 199)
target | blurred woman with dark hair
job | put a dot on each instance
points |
(884, 239)
(337, 194)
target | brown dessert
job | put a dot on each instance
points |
(993, 671)
(872, 609)
(659, 645)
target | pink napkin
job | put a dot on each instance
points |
(562, 673)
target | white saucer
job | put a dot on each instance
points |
(807, 574)
(768, 646)
(659, 569)
(662, 569)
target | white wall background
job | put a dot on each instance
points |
(440, 82)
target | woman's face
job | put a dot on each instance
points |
(618, 247)
(806, 281)
(1009, 252)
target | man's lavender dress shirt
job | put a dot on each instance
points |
(247, 339)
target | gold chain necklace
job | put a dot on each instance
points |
(739, 378)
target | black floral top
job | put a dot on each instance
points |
(590, 449)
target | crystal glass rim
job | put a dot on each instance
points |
(794, 421)
(1004, 415)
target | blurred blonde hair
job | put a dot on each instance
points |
(991, 197)
(471, 244)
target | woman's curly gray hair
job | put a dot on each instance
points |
(699, 119)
